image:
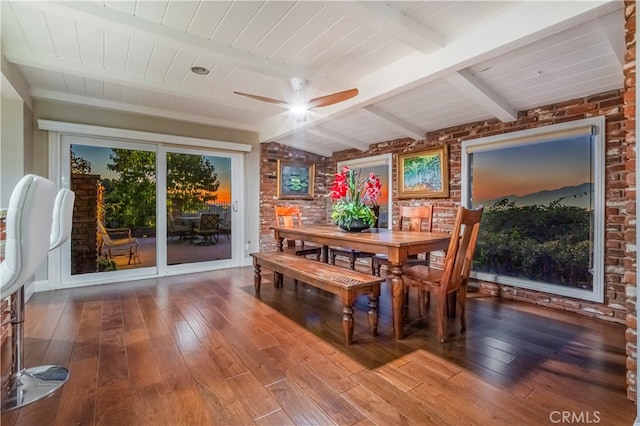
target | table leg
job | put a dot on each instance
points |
(325, 254)
(397, 299)
(280, 243)
(257, 278)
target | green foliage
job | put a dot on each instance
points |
(130, 200)
(549, 244)
(79, 165)
(191, 180)
(106, 264)
(344, 213)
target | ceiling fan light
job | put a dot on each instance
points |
(299, 112)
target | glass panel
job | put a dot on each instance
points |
(198, 208)
(539, 211)
(114, 224)
(380, 166)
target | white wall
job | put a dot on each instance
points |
(11, 146)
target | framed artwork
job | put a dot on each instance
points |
(424, 174)
(295, 180)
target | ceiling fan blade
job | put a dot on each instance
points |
(263, 99)
(331, 99)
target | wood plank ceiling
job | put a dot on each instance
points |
(419, 66)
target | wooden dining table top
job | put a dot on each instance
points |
(380, 241)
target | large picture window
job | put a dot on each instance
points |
(543, 223)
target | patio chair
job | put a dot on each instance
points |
(177, 229)
(127, 246)
(208, 228)
(453, 279)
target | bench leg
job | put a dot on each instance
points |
(347, 323)
(256, 276)
(373, 314)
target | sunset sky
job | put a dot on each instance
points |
(531, 168)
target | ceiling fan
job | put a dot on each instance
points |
(299, 106)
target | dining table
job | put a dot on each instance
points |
(397, 245)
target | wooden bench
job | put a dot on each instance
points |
(344, 283)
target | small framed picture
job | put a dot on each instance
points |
(424, 174)
(295, 180)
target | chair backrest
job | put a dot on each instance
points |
(457, 263)
(418, 218)
(62, 218)
(104, 235)
(209, 221)
(28, 229)
(288, 215)
(171, 225)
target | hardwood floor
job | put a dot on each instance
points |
(203, 349)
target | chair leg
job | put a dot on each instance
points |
(441, 316)
(30, 384)
(462, 301)
(421, 303)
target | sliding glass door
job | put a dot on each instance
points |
(145, 209)
(198, 207)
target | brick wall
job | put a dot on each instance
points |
(84, 240)
(628, 280)
(313, 211)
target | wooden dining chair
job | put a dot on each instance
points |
(454, 278)
(417, 219)
(290, 216)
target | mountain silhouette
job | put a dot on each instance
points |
(577, 196)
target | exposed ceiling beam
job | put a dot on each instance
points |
(524, 23)
(107, 17)
(389, 20)
(301, 142)
(395, 123)
(338, 137)
(137, 109)
(478, 92)
(612, 33)
(62, 65)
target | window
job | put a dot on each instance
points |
(544, 207)
(380, 165)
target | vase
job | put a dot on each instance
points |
(356, 225)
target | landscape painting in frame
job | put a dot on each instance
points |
(538, 219)
(295, 180)
(424, 174)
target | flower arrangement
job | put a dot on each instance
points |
(354, 199)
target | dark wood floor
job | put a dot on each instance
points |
(203, 349)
